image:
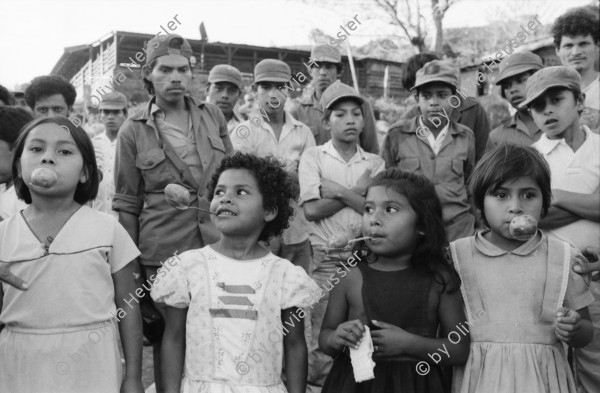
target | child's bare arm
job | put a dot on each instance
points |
(393, 341)
(336, 331)
(296, 353)
(173, 349)
(574, 328)
(317, 209)
(557, 217)
(130, 328)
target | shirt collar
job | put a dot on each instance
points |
(147, 113)
(491, 250)
(332, 151)
(545, 145)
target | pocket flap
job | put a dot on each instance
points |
(149, 159)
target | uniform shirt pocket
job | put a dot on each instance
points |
(155, 169)
(409, 164)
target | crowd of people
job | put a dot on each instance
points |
(245, 286)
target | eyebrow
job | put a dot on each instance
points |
(60, 142)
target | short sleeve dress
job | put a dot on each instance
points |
(234, 331)
(511, 300)
(60, 334)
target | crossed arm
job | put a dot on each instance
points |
(568, 207)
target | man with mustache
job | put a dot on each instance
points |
(224, 90)
(520, 129)
(576, 38)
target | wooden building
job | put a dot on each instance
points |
(114, 63)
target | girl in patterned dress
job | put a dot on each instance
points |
(405, 294)
(235, 309)
(521, 297)
(61, 333)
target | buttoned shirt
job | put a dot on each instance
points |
(259, 138)
(592, 94)
(448, 170)
(578, 172)
(310, 112)
(469, 113)
(436, 141)
(513, 131)
(327, 163)
(105, 151)
(146, 162)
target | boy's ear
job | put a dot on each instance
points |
(271, 214)
(326, 124)
(146, 72)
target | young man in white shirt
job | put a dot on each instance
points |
(573, 155)
(113, 113)
(224, 90)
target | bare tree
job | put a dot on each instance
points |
(410, 17)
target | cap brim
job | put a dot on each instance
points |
(540, 93)
(516, 71)
(352, 96)
(221, 80)
(112, 106)
(327, 60)
(273, 79)
(434, 80)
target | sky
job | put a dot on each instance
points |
(35, 33)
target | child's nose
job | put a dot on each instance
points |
(515, 206)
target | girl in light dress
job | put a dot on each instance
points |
(235, 309)
(61, 334)
(521, 297)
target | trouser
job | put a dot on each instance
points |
(587, 359)
(299, 254)
(324, 268)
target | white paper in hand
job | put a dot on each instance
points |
(361, 358)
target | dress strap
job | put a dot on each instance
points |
(557, 277)
(464, 263)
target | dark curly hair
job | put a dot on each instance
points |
(274, 184)
(84, 192)
(429, 257)
(579, 21)
(48, 85)
(6, 97)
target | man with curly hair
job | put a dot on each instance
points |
(50, 95)
(576, 35)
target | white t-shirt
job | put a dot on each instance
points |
(575, 172)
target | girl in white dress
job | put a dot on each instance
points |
(235, 308)
(60, 334)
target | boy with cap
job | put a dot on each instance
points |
(174, 139)
(437, 147)
(333, 181)
(573, 153)
(467, 111)
(223, 90)
(113, 113)
(283, 137)
(50, 95)
(520, 128)
(325, 68)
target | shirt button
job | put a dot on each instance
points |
(202, 220)
(150, 162)
(181, 172)
(432, 156)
